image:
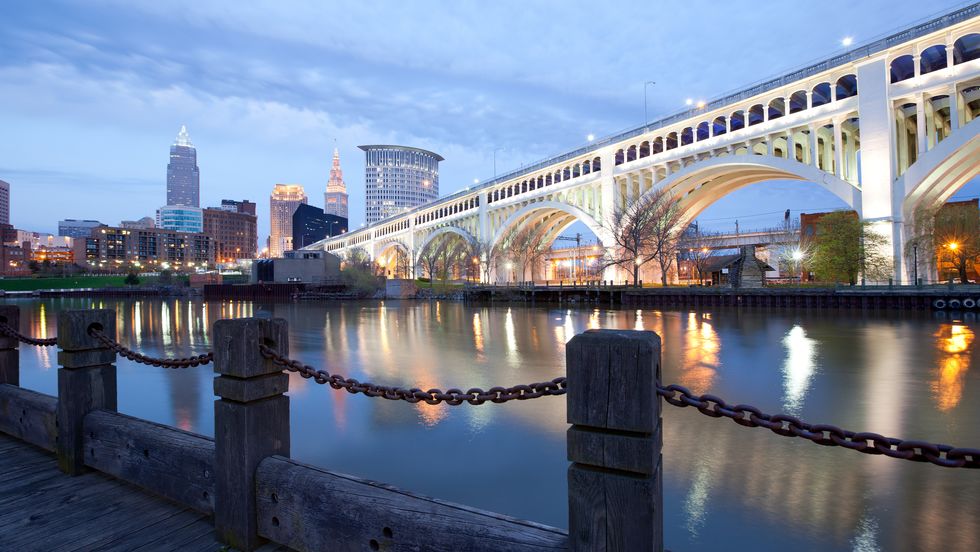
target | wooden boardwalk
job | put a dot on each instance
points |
(41, 508)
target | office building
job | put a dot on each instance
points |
(4, 202)
(114, 248)
(234, 232)
(180, 218)
(335, 198)
(145, 222)
(397, 178)
(243, 206)
(183, 176)
(77, 228)
(282, 204)
(311, 224)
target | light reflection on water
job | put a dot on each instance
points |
(724, 485)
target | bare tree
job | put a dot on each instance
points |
(643, 231)
(524, 247)
(698, 251)
(489, 257)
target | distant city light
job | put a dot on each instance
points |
(590, 137)
(689, 101)
(847, 41)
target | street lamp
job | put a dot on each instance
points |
(646, 119)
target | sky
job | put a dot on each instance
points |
(92, 93)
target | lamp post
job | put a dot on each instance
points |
(915, 264)
(646, 119)
(495, 150)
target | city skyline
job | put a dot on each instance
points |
(508, 108)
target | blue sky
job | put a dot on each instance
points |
(92, 93)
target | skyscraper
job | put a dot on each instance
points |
(335, 198)
(5, 203)
(282, 204)
(397, 178)
(183, 177)
(311, 224)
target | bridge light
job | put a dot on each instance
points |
(590, 137)
(689, 101)
(847, 41)
(701, 104)
(476, 180)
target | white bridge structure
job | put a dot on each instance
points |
(887, 127)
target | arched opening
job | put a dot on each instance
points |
(620, 157)
(932, 59)
(671, 140)
(447, 255)
(777, 108)
(658, 145)
(941, 122)
(645, 149)
(596, 164)
(971, 102)
(820, 94)
(687, 136)
(797, 101)
(757, 114)
(586, 167)
(966, 48)
(703, 132)
(631, 154)
(546, 241)
(907, 137)
(847, 86)
(394, 261)
(902, 68)
(737, 120)
(718, 126)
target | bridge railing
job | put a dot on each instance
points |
(246, 480)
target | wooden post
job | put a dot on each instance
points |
(9, 355)
(86, 380)
(251, 421)
(615, 492)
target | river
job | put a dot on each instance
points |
(912, 376)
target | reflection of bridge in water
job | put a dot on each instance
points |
(905, 105)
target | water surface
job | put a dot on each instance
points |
(910, 376)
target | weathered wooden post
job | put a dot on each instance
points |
(615, 493)
(251, 421)
(86, 380)
(9, 355)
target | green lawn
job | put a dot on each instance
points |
(71, 282)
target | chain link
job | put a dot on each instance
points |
(189, 362)
(823, 434)
(39, 342)
(432, 396)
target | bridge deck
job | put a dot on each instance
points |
(43, 509)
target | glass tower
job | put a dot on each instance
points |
(397, 178)
(183, 177)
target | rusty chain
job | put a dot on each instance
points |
(37, 341)
(432, 396)
(676, 395)
(105, 340)
(823, 434)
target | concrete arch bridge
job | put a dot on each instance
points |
(888, 128)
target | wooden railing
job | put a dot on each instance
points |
(245, 478)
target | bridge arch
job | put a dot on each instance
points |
(443, 230)
(536, 211)
(699, 185)
(939, 172)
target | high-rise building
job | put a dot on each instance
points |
(233, 230)
(397, 178)
(311, 224)
(114, 248)
(335, 198)
(180, 218)
(77, 228)
(183, 176)
(5, 203)
(282, 204)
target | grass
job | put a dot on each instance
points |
(73, 282)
